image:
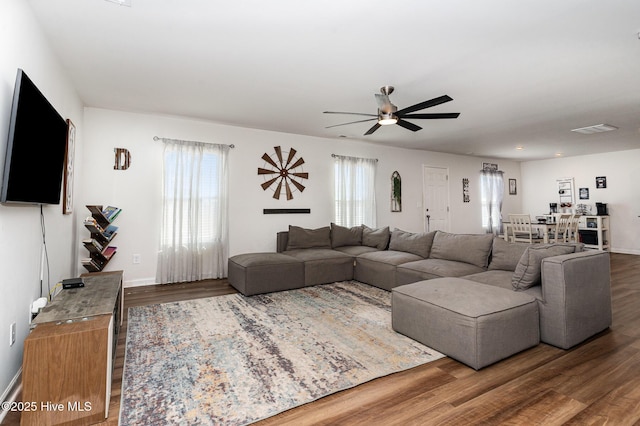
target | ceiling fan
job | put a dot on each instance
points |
(388, 113)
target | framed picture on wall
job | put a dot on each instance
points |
(67, 203)
(601, 182)
(513, 189)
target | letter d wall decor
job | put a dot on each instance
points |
(123, 159)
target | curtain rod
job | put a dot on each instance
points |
(346, 156)
(156, 138)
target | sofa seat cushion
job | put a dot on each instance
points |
(496, 278)
(255, 273)
(316, 254)
(355, 250)
(427, 269)
(379, 268)
(474, 323)
(323, 266)
(467, 248)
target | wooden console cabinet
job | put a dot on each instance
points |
(68, 357)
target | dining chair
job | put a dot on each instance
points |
(573, 236)
(561, 231)
(520, 228)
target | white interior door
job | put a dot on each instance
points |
(435, 198)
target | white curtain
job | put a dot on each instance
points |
(194, 233)
(491, 194)
(355, 195)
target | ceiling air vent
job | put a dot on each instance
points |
(598, 128)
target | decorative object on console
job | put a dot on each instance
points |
(289, 171)
(396, 192)
(67, 205)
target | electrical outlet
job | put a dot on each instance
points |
(136, 259)
(12, 334)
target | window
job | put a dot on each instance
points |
(491, 194)
(355, 200)
(194, 232)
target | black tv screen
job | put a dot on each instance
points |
(36, 147)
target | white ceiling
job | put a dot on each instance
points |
(521, 73)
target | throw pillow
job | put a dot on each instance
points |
(301, 238)
(342, 236)
(409, 242)
(378, 238)
(468, 248)
(529, 270)
(505, 255)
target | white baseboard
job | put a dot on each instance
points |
(625, 251)
(11, 393)
(140, 282)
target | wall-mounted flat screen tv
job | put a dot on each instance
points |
(36, 147)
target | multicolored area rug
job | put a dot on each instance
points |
(236, 360)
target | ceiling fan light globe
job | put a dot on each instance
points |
(387, 119)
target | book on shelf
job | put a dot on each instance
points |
(92, 245)
(109, 251)
(92, 225)
(91, 264)
(111, 212)
(110, 231)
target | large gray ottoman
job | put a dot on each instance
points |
(476, 324)
(256, 273)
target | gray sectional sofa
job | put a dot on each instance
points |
(570, 287)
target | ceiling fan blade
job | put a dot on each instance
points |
(352, 122)
(268, 159)
(301, 175)
(351, 113)
(298, 163)
(292, 153)
(407, 125)
(262, 171)
(268, 183)
(298, 185)
(426, 104)
(433, 116)
(373, 129)
(276, 194)
(279, 154)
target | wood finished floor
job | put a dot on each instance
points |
(594, 383)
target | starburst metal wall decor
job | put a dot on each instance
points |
(285, 174)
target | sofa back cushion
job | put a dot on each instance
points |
(528, 273)
(417, 243)
(301, 238)
(378, 238)
(468, 248)
(505, 255)
(342, 236)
